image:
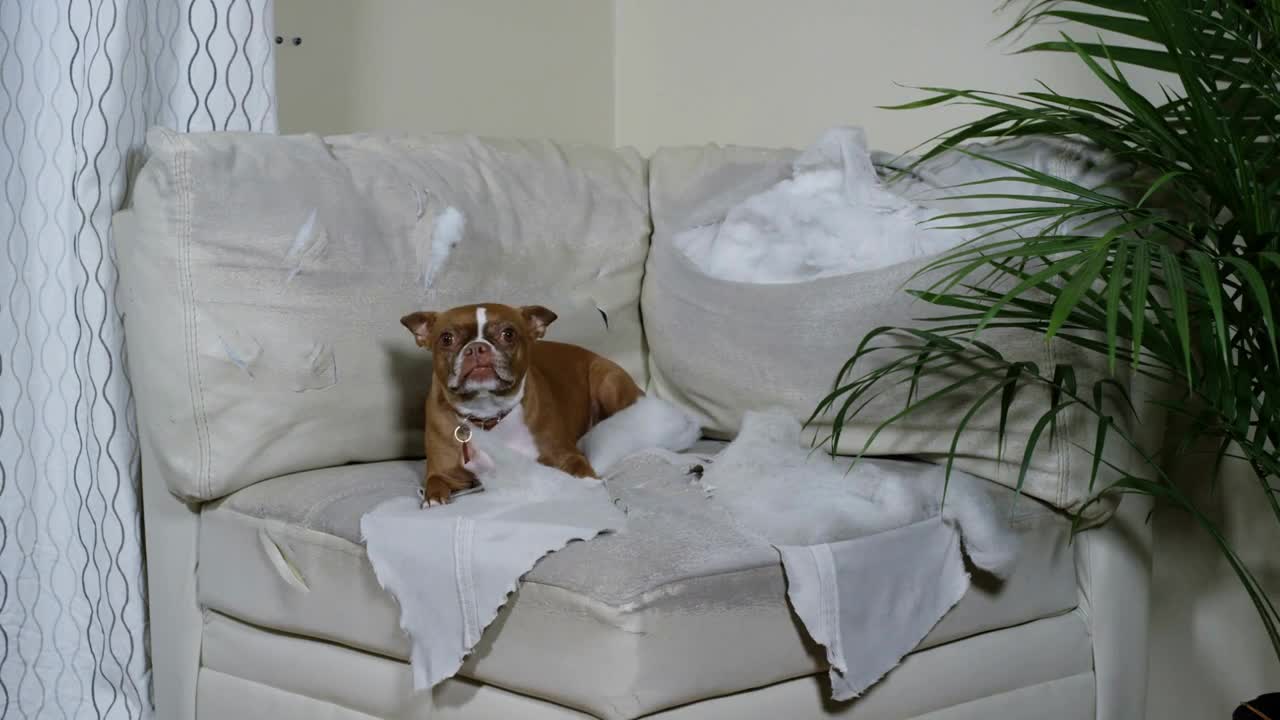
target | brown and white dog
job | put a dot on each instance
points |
(493, 373)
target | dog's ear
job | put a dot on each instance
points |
(538, 318)
(420, 324)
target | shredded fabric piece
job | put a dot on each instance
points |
(872, 553)
(480, 547)
(869, 601)
(446, 233)
(483, 543)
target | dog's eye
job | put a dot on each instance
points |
(446, 339)
(508, 335)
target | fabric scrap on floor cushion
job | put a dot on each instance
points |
(871, 551)
(452, 567)
(871, 600)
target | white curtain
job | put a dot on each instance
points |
(80, 82)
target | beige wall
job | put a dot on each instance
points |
(641, 72)
(531, 68)
(775, 73)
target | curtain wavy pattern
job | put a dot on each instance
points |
(80, 82)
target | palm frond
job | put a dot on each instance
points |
(1171, 274)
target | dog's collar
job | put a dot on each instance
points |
(484, 423)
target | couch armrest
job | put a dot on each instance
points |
(171, 529)
(1113, 564)
(172, 534)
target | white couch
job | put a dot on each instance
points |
(278, 399)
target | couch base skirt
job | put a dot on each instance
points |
(1043, 669)
(226, 697)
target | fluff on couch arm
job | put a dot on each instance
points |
(649, 423)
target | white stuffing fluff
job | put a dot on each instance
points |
(302, 246)
(521, 478)
(446, 233)
(791, 495)
(834, 215)
(649, 423)
(243, 351)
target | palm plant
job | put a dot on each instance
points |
(1184, 291)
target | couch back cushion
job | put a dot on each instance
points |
(720, 348)
(263, 278)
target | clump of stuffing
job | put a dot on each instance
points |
(446, 233)
(649, 423)
(790, 495)
(836, 215)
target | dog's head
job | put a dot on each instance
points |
(480, 348)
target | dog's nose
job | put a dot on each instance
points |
(477, 349)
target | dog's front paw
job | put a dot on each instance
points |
(577, 466)
(436, 492)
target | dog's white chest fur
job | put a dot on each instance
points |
(513, 432)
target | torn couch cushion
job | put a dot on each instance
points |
(275, 270)
(681, 606)
(789, 340)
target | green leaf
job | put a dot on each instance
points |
(1133, 27)
(1159, 183)
(1083, 278)
(938, 99)
(1213, 292)
(1121, 389)
(1033, 439)
(1032, 176)
(1115, 283)
(1010, 391)
(916, 372)
(1032, 281)
(1173, 283)
(1138, 295)
(1154, 59)
(1162, 136)
(1251, 277)
(933, 397)
(1100, 439)
(974, 409)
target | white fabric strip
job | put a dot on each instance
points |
(873, 559)
(452, 567)
(871, 600)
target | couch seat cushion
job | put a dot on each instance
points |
(679, 608)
